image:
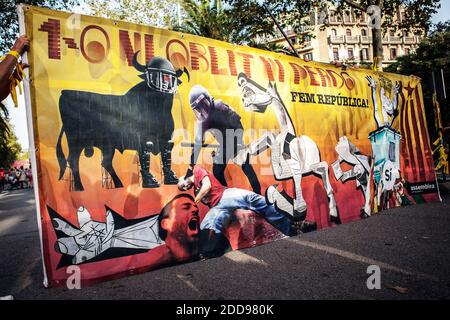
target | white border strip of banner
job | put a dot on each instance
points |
(32, 146)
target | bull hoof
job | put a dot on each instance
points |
(148, 181)
(150, 185)
(78, 187)
(170, 178)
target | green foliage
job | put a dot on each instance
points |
(431, 55)
(158, 13)
(238, 22)
(24, 156)
(10, 148)
(4, 126)
(9, 26)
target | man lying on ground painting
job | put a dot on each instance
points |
(223, 203)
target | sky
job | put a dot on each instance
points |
(18, 115)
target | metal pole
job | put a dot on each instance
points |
(434, 82)
(443, 84)
(281, 30)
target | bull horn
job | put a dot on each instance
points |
(179, 72)
(187, 73)
(139, 67)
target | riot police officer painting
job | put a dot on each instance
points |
(225, 125)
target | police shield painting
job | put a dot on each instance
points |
(154, 147)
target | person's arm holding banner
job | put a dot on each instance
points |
(10, 68)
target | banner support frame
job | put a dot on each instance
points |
(31, 142)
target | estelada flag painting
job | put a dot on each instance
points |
(266, 145)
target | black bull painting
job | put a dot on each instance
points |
(139, 120)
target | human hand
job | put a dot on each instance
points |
(85, 243)
(372, 82)
(19, 74)
(396, 88)
(21, 45)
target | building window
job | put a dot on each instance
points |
(332, 16)
(407, 51)
(334, 32)
(335, 54)
(348, 32)
(350, 54)
(347, 17)
(364, 32)
(364, 54)
(308, 56)
(392, 33)
(393, 53)
(363, 17)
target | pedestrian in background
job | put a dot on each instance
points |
(29, 175)
(2, 179)
(22, 178)
(12, 179)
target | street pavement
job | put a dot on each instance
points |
(409, 244)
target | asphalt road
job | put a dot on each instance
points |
(410, 244)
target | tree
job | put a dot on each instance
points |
(256, 15)
(431, 55)
(10, 149)
(9, 26)
(4, 126)
(159, 13)
(238, 22)
(382, 13)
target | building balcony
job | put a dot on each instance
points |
(394, 39)
(336, 39)
(305, 46)
(334, 21)
(366, 39)
(350, 22)
(409, 40)
(352, 39)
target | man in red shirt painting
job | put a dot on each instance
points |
(223, 202)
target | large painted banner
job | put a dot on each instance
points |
(154, 147)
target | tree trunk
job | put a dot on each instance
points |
(377, 46)
(377, 41)
(376, 25)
